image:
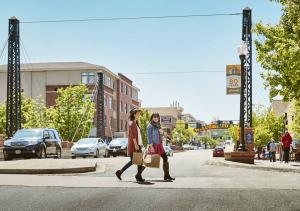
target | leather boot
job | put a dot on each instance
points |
(118, 174)
(138, 176)
(166, 171)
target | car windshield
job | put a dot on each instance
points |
(28, 134)
(119, 141)
(88, 141)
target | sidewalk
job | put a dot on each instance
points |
(49, 166)
(265, 165)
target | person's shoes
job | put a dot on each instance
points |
(166, 172)
(168, 177)
(118, 174)
(139, 178)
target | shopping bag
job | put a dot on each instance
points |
(137, 158)
(152, 160)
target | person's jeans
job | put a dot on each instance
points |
(273, 156)
(286, 154)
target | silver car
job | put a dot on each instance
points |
(89, 147)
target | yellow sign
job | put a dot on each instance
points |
(212, 126)
(233, 79)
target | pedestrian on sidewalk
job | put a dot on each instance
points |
(135, 144)
(286, 141)
(272, 151)
(268, 149)
(154, 135)
(280, 151)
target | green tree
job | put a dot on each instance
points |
(279, 51)
(234, 132)
(265, 127)
(206, 140)
(2, 118)
(180, 135)
(143, 122)
(74, 112)
(295, 126)
(35, 114)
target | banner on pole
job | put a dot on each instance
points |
(233, 78)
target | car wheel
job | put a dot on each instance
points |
(58, 153)
(73, 157)
(97, 154)
(42, 153)
(84, 156)
(7, 157)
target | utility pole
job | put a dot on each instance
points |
(13, 103)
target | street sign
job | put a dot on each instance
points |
(165, 120)
(233, 79)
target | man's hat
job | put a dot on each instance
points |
(134, 110)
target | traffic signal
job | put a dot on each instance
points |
(186, 125)
(199, 125)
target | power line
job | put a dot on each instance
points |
(132, 18)
(179, 72)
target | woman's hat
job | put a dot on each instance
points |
(134, 110)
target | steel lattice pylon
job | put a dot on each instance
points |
(100, 107)
(13, 103)
(247, 37)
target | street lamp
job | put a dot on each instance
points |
(242, 51)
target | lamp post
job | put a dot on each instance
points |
(242, 51)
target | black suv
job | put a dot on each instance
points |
(38, 143)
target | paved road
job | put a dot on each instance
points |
(197, 187)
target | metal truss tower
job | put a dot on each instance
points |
(100, 107)
(247, 38)
(13, 103)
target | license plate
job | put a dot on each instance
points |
(114, 150)
(18, 152)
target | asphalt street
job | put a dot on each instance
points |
(198, 187)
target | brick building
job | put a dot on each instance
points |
(43, 79)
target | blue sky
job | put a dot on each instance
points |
(190, 44)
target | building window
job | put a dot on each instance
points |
(126, 90)
(121, 124)
(111, 122)
(110, 102)
(126, 125)
(126, 108)
(104, 123)
(121, 107)
(122, 88)
(88, 78)
(105, 103)
(108, 81)
(134, 94)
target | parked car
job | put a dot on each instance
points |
(168, 150)
(187, 147)
(40, 143)
(218, 152)
(89, 147)
(117, 146)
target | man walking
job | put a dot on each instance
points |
(286, 141)
(272, 151)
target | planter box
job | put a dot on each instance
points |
(66, 144)
(240, 156)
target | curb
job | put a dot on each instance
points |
(50, 171)
(250, 166)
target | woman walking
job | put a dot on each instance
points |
(154, 135)
(134, 144)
